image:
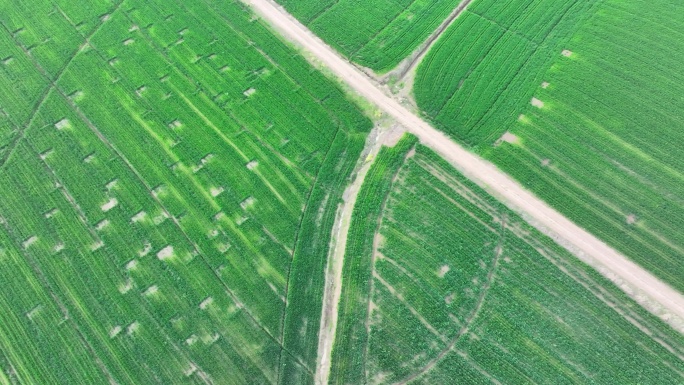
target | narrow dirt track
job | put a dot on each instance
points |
(333, 275)
(628, 275)
(417, 57)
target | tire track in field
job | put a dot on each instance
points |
(314, 179)
(79, 212)
(44, 95)
(374, 257)
(254, 319)
(63, 309)
(289, 270)
(498, 251)
(575, 239)
(177, 224)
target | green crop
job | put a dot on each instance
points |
(348, 359)
(162, 170)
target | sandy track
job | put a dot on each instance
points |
(660, 298)
(333, 274)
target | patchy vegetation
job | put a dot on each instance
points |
(170, 173)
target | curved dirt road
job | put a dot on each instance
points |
(631, 277)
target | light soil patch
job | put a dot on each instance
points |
(30, 241)
(63, 124)
(508, 138)
(249, 92)
(114, 331)
(109, 205)
(205, 304)
(58, 247)
(132, 264)
(247, 203)
(138, 217)
(96, 246)
(392, 136)
(102, 224)
(151, 290)
(537, 103)
(175, 124)
(443, 270)
(111, 184)
(165, 253)
(89, 158)
(132, 328)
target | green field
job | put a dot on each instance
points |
(376, 34)
(458, 289)
(487, 64)
(601, 140)
(169, 174)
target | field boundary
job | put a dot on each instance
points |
(374, 256)
(335, 263)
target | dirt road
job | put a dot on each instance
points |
(661, 299)
(333, 275)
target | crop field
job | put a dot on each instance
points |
(460, 288)
(487, 64)
(377, 34)
(593, 117)
(169, 174)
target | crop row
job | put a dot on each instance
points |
(475, 94)
(603, 149)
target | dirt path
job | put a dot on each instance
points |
(409, 64)
(498, 251)
(333, 271)
(662, 300)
